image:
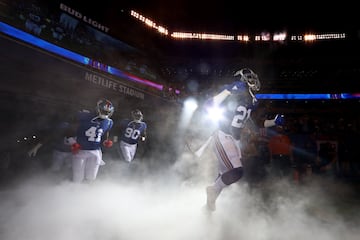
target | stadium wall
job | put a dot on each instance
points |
(37, 86)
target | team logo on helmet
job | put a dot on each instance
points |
(104, 108)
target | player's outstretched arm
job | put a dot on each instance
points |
(33, 151)
(278, 120)
(219, 98)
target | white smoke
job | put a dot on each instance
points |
(143, 205)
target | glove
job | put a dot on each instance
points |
(75, 148)
(279, 120)
(108, 143)
(69, 140)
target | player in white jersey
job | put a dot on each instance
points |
(92, 129)
(131, 132)
(238, 101)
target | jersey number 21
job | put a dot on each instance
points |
(239, 119)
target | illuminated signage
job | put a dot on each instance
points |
(84, 18)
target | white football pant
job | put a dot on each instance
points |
(127, 150)
(85, 165)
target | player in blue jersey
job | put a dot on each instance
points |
(92, 133)
(60, 141)
(131, 132)
(238, 101)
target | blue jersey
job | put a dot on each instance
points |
(91, 129)
(131, 131)
(237, 110)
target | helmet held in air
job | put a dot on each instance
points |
(251, 79)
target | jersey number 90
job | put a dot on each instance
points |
(132, 133)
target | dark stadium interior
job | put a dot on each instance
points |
(325, 66)
(162, 197)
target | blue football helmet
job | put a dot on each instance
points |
(250, 78)
(137, 115)
(104, 108)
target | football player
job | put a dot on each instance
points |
(238, 100)
(92, 132)
(60, 141)
(131, 132)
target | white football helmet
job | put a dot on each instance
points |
(104, 108)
